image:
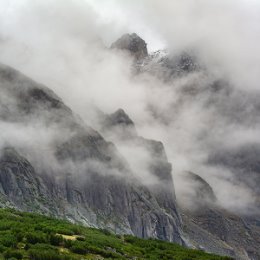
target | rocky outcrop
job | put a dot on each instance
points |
(24, 100)
(202, 192)
(210, 227)
(20, 186)
(215, 230)
(118, 122)
(121, 129)
(168, 67)
(132, 43)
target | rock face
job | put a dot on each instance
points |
(119, 127)
(216, 230)
(201, 190)
(167, 67)
(86, 180)
(132, 43)
(20, 186)
(212, 228)
(206, 225)
(120, 122)
(122, 127)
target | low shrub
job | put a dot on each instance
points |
(34, 238)
(55, 240)
(12, 254)
(78, 249)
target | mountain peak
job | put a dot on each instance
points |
(203, 190)
(132, 43)
(120, 117)
(120, 121)
(9, 154)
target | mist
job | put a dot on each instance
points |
(65, 45)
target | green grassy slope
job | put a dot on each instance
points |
(36, 237)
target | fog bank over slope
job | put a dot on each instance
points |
(65, 45)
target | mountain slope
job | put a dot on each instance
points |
(213, 228)
(74, 173)
(206, 225)
(31, 236)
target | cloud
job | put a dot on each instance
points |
(226, 33)
(64, 45)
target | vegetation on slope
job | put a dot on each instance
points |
(37, 237)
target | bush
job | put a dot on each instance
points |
(44, 247)
(67, 243)
(27, 246)
(34, 238)
(78, 249)
(47, 255)
(106, 232)
(19, 236)
(129, 239)
(56, 240)
(95, 250)
(13, 254)
(80, 238)
(2, 248)
(102, 252)
(8, 240)
(65, 232)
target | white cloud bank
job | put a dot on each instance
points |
(63, 44)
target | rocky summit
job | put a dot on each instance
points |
(132, 43)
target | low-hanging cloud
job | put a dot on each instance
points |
(65, 45)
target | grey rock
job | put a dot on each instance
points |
(203, 192)
(168, 67)
(133, 44)
(93, 184)
(118, 122)
(20, 186)
(221, 232)
(123, 128)
(214, 229)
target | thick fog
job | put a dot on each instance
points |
(65, 45)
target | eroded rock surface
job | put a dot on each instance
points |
(133, 44)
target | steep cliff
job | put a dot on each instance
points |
(85, 179)
(212, 228)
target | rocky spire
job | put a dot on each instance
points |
(132, 43)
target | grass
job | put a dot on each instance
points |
(37, 237)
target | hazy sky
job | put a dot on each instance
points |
(226, 32)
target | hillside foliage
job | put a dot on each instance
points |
(36, 237)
